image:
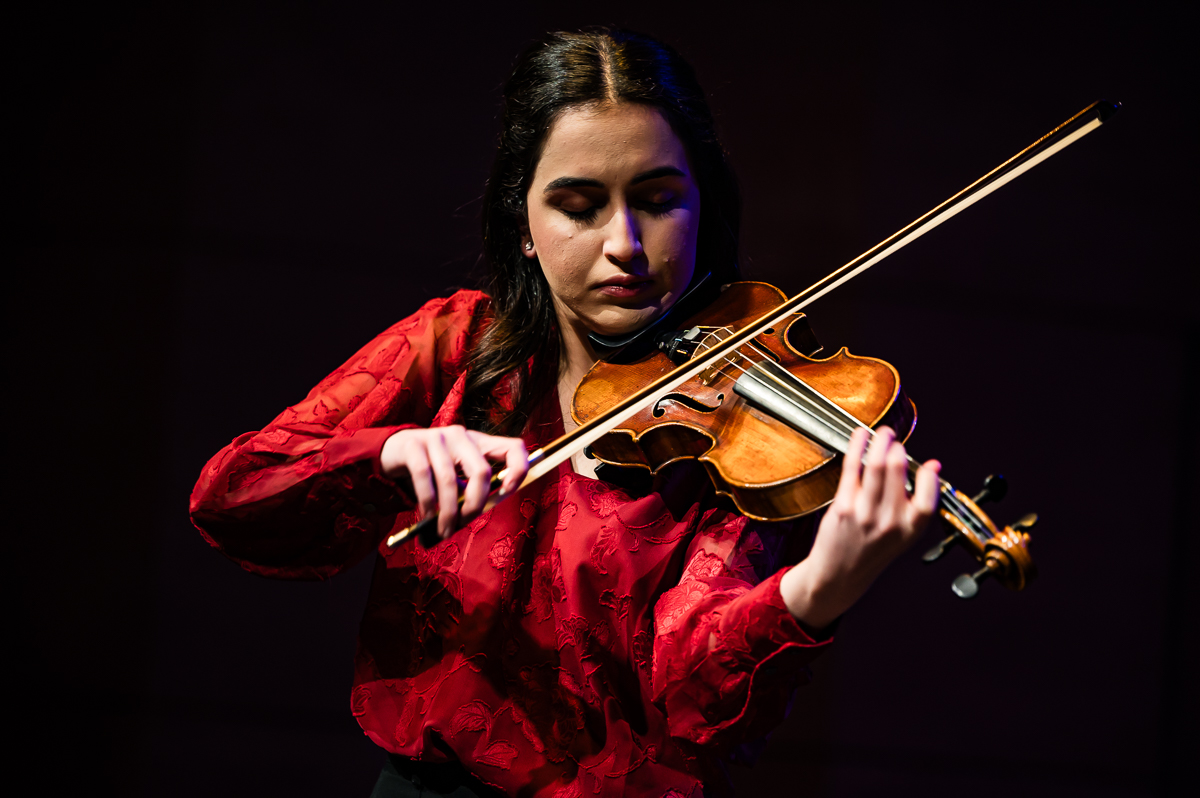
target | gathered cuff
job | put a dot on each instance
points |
(361, 444)
(757, 654)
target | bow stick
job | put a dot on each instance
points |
(544, 460)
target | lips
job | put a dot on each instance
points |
(625, 280)
(625, 286)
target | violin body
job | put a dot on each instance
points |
(768, 469)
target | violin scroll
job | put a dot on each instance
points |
(1003, 553)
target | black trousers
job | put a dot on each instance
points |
(407, 778)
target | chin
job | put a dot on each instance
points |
(620, 321)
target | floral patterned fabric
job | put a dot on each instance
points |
(573, 641)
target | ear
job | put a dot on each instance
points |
(528, 248)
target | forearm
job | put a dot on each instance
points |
(305, 516)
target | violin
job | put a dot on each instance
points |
(736, 387)
(769, 423)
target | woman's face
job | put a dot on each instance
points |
(613, 215)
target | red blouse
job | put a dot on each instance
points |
(573, 641)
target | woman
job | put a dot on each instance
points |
(575, 639)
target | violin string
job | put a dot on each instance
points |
(842, 423)
(832, 409)
(834, 417)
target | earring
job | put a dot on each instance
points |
(529, 246)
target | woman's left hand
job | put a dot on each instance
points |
(871, 521)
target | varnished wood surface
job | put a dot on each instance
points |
(767, 468)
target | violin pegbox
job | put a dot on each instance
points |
(1003, 553)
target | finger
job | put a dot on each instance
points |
(852, 464)
(895, 478)
(446, 479)
(420, 473)
(514, 454)
(925, 496)
(479, 474)
(867, 502)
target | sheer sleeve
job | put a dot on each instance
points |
(305, 497)
(727, 653)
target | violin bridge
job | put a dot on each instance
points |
(711, 337)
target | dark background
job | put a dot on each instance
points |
(217, 206)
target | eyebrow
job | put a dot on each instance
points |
(589, 182)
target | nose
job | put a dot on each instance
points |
(622, 239)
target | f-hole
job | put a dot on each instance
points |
(678, 398)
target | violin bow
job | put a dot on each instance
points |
(544, 460)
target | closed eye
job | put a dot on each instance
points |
(660, 208)
(584, 216)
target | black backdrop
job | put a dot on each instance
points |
(217, 206)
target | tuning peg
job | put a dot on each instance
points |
(995, 486)
(938, 550)
(967, 585)
(1026, 522)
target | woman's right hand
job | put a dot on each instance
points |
(431, 458)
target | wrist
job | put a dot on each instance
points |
(807, 599)
(390, 461)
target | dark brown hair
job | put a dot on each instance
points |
(560, 72)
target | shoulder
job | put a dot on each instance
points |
(455, 317)
(444, 330)
(462, 308)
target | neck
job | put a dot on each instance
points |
(576, 356)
